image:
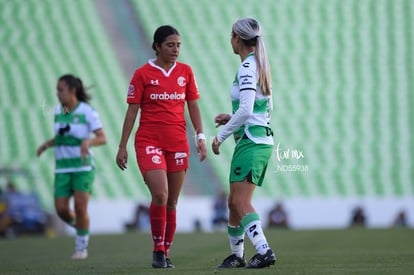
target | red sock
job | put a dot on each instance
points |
(170, 230)
(158, 222)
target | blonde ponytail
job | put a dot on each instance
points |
(249, 31)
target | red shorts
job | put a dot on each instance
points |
(150, 157)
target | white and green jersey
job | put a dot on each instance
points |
(246, 79)
(70, 130)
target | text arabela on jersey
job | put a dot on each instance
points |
(167, 96)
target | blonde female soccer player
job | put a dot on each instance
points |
(250, 125)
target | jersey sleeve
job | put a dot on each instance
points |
(136, 88)
(247, 77)
(192, 92)
(93, 120)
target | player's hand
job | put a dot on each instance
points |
(202, 149)
(85, 152)
(215, 145)
(221, 119)
(122, 158)
(85, 148)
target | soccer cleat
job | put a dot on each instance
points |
(232, 261)
(80, 255)
(260, 261)
(158, 259)
(169, 263)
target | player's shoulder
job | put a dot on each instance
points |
(143, 68)
(183, 66)
(248, 63)
(85, 107)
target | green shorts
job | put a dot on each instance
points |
(250, 161)
(67, 183)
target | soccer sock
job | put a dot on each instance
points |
(82, 239)
(253, 228)
(170, 230)
(158, 221)
(236, 238)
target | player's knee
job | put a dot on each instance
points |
(159, 198)
(63, 211)
(171, 204)
(80, 210)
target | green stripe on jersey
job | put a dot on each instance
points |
(72, 118)
(73, 162)
(67, 140)
(260, 106)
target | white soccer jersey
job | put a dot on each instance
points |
(70, 130)
(246, 79)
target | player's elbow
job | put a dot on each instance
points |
(245, 113)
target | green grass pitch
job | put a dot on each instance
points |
(350, 251)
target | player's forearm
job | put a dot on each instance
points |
(129, 122)
(240, 117)
(49, 143)
(99, 139)
(195, 116)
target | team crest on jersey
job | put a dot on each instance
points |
(181, 81)
(131, 90)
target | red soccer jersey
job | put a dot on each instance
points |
(162, 96)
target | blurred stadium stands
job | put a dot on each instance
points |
(342, 71)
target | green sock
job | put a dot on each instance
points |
(82, 232)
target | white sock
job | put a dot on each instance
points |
(236, 238)
(253, 229)
(81, 242)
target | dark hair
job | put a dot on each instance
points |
(74, 82)
(161, 34)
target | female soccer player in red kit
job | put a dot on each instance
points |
(160, 88)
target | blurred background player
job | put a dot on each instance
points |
(220, 211)
(358, 218)
(277, 217)
(75, 121)
(140, 220)
(160, 88)
(252, 104)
